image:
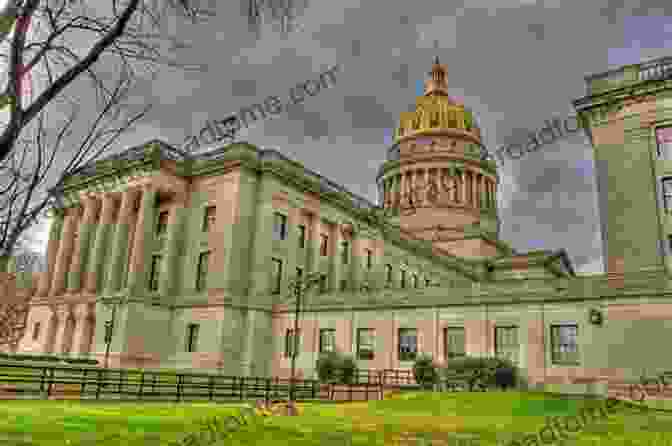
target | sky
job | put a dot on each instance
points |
(515, 63)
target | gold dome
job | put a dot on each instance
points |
(435, 110)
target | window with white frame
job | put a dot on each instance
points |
(664, 143)
(454, 342)
(327, 340)
(365, 343)
(667, 194)
(408, 344)
(506, 342)
(564, 344)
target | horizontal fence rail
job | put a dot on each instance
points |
(54, 382)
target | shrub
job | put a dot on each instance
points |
(484, 371)
(328, 366)
(334, 367)
(424, 370)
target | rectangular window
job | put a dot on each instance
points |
(36, 331)
(403, 278)
(664, 141)
(506, 343)
(302, 236)
(453, 338)
(344, 285)
(279, 226)
(209, 218)
(369, 258)
(327, 340)
(290, 343)
(365, 341)
(323, 283)
(667, 195)
(277, 275)
(565, 349)
(202, 271)
(345, 251)
(162, 223)
(408, 344)
(299, 273)
(192, 338)
(388, 274)
(415, 280)
(154, 272)
(323, 244)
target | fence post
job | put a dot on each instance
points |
(242, 386)
(268, 391)
(44, 375)
(81, 392)
(179, 384)
(100, 372)
(211, 385)
(51, 381)
(142, 383)
(121, 376)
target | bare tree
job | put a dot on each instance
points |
(49, 136)
(39, 150)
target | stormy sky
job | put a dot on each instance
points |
(516, 63)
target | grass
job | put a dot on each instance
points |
(493, 418)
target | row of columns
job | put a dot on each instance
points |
(466, 190)
(70, 329)
(94, 245)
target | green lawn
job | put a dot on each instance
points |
(493, 418)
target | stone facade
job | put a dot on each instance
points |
(183, 253)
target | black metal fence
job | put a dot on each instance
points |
(19, 381)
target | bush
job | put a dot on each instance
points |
(484, 372)
(424, 370)
(328, 366)
(334, 367)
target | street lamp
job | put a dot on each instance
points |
(298, 286)
(109, 325)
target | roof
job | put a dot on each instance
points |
(169, 152)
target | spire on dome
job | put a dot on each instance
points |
(437, 85)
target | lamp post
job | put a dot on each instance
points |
(298, 286)
(109, 325)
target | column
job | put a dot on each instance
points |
(175, 234)
(247, 357)
(52, 329)
(481, 191)
(144, 229)
(52, 251)
(463, 189)
(336, 263)
(79, 258)
(64, 328)
(84, 316)
(474, 191)
(381, 192)
(403, 184)
(315, 242)
(64, 252)
(94, 280)
(120, 240)
(293, 221)
(260, 274)
(357, 262)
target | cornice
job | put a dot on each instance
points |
(614, 100)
